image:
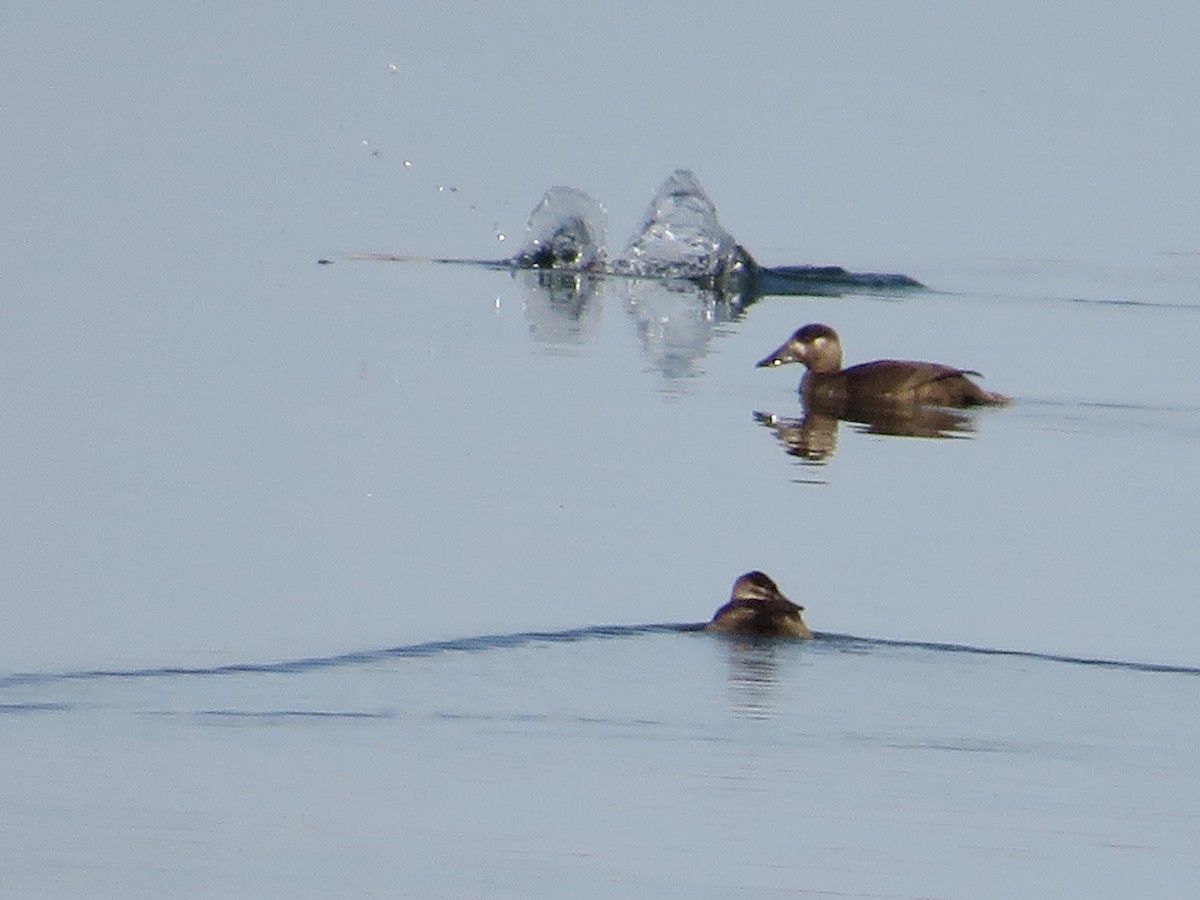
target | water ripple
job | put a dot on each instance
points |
(17, 708)
(852, 642)
(286, 714)
(481, 643)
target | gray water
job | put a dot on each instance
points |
(364, 578)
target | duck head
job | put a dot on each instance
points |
(758, 608)
(756, 586)
(816, 346)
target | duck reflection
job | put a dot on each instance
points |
(753, 676)
(814, 436)
(758, 622)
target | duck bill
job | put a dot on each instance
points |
(784, 354)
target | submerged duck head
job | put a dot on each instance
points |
(757, 607)
(816, 346)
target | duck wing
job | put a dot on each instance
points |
(910, 381)
(761, 616)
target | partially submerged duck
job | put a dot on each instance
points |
(885, 381)
(757, 607)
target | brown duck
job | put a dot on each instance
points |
(883, 382)
(757, 607)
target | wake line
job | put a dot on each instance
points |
(310, 664)
(847, 642)
(939, 646)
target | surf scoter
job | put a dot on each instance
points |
(885, 381)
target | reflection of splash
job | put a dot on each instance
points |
(813, 437)
(559, 308)
(675, 322)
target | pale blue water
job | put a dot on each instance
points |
(329, 580)
(604, 761)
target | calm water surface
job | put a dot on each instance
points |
(476, 478)
(331, 580)
(602, 761)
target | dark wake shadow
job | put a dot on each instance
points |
(845, 642)
(680, 240)
(823, 280)
(743, 284)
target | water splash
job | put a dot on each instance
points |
(567, 229)
(681, 237)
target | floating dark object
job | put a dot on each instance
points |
(828, 386)
(757, 607)
(679, 239)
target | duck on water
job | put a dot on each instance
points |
(882, 382)
(758, 608)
